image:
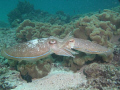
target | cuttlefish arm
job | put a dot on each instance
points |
(87, 46)
(31, 50)
(57, 47)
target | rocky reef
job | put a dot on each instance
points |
(102, 76)
(100, 72)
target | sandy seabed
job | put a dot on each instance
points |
(55, 80)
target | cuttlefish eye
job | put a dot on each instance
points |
(52, 41)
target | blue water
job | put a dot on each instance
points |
(70, 7)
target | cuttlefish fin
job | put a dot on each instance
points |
(5, 53)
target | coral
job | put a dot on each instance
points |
(68, 62)
(81, 59)
(113, 17)
(97, 29)
(30, 30)
(25, 30)
(92, 28)
(101, 76)
(38, 69)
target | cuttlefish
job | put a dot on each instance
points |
(40, 48)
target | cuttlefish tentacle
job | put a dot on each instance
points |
(57, 47)
(31, 50)
(61, 48)
(87, 46)
(70, 50)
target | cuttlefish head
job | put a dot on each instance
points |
(54, 43)
(70, 43)
(61, 46)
